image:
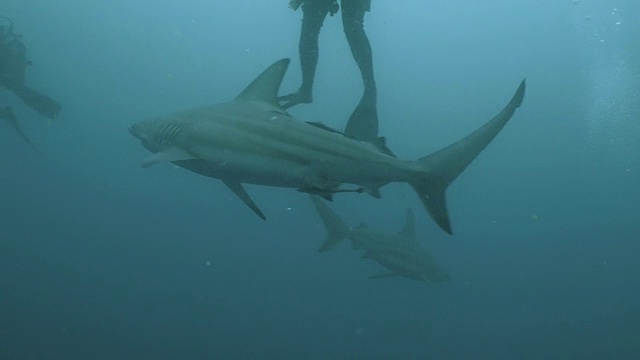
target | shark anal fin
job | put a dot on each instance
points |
(169, 155)
(237, 189)
(383, 276)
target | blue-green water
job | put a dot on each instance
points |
(101, 259)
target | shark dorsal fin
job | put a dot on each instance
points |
(264, 89)
(409, 229)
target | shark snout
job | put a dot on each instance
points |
(137, 132)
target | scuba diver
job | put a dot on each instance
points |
(363, 122)
(13, 63)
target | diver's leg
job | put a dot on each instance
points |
(363, 122)
(314, 13)
(353, 21)
(7, 114)
(37, 101)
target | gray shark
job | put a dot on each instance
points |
(252, 140)
(400, 253)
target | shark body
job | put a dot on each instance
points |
(252, 140)
(400, 253)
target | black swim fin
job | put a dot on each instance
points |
(38, 101)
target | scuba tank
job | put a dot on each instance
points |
(13, 56)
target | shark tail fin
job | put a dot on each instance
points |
(440, 169)
(336, 228)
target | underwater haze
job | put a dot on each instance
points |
(103, 259)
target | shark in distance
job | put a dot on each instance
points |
(400, 253)
(252, 140)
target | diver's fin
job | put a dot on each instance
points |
(383, 276)
(170, 154)
(38, 101)
(363, 123)
(264, 89)
(237, 189)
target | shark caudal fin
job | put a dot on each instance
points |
(336, 228)
(441, 168)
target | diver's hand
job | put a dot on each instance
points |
(298, 97)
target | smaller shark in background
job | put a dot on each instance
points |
(400, 253)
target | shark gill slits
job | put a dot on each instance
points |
(167, 134)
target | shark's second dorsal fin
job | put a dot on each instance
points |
(409, 229)
(264, 88)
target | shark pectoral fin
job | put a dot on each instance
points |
(170, 154)
(237, 189)
(383, 276)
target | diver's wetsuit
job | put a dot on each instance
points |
(364, 120)
(13, 63)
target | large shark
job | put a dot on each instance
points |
(252, 140)
(400, 253)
